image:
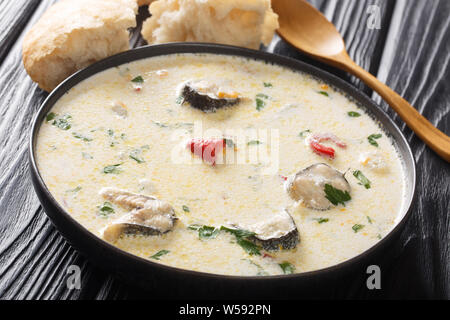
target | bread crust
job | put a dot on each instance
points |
(144, 2)
(246, 23)
(73, 34)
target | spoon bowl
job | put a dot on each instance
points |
(307, 29)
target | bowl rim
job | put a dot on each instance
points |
(149, 51)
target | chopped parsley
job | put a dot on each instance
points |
(357, 227)
(262, 96)
(303, 133)
(260, 104)
(106, 209)
(74, 190)
(230, 143)
(114, 169)
(336, 196)
(354, 114)
(138, 79)
(324, 93)
(369, 219)
(254, 143)
(322, 220)
(160, 124)
(59, 122)
(81, 137)
(248, 246)
(261, 271)
(136, 155)
(372, 139)
(362, 178)
(238, 233)
(241, 239)
(268, 85)
(86, 156)
(159, 254)
(50, 116)
(261, 101)
(179, 100)
(287, 267)
(186, 208)
(205, 232)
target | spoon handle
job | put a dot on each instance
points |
(425, 130)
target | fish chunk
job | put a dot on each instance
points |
(208, 95)
(308, 186)
(279, 232)
(148, 215)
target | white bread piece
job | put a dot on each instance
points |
(73, 34)
(245, 23)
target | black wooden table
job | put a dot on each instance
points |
(410, 51)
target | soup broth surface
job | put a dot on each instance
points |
(127, 128)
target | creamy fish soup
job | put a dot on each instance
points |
(222, 165)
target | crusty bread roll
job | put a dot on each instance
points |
(246, 23)
(73, 34)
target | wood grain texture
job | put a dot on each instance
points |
(14, 14)
(411, 53)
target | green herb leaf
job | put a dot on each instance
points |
(136, 155)
(362, 178)
(110, 132)
(61, 122)
(230, 143)
(159, 254)
(50, 116)
(261, 271)
(241, 239)
(207, 232)
(138, 79)
(249, 247)
(260, 101)
(322, 220)
(268, 85)
(372, 139)
(369, 219)
(254, 143)
(160, 124)
(303, 133)
(260, 104)
(74, 190)
(262, 96)
(86, 156)
(186, 208)
(336, 196)
(114, 169)
(287, 267)
(354, 114)
(194, 227)
(106, 209)
(357, 227)
(324, 93)
(240, 233)
(82, 137)
(179, 100)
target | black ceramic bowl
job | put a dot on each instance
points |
(168, 282)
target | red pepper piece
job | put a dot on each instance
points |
(207, 148)
(322, 150)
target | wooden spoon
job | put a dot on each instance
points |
(304, 27)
